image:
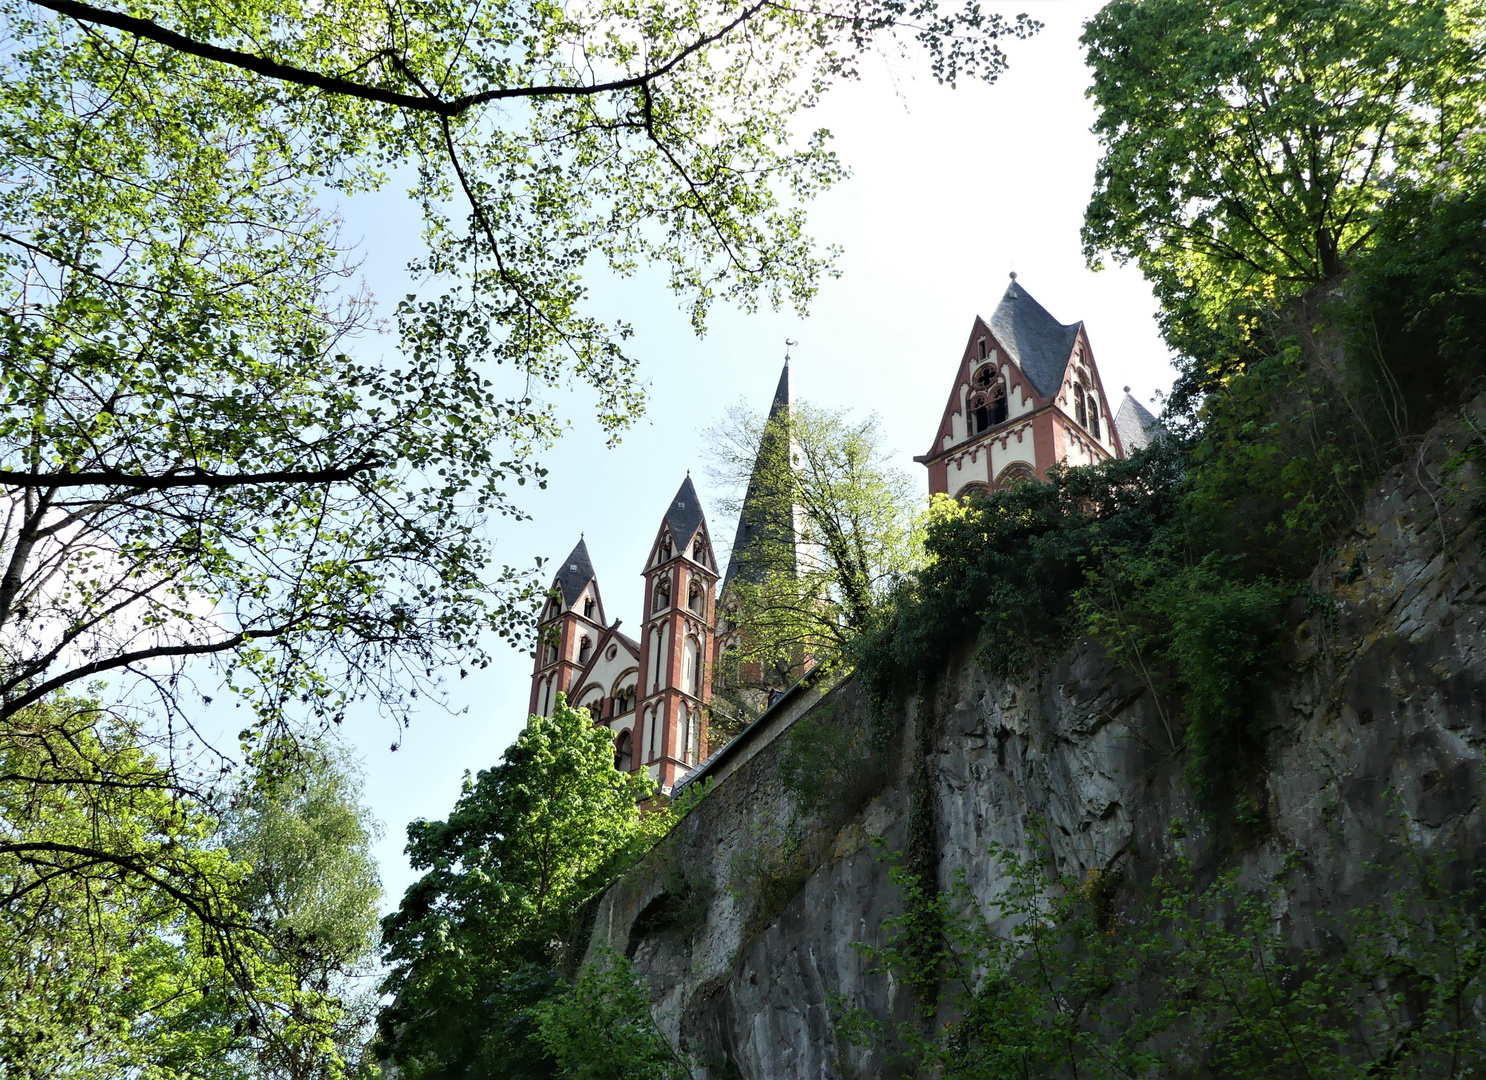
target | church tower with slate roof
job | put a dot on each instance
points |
(676, 644)
(652, 693)
(1026, 394)
(568, 630)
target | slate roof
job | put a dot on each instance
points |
(749, 515)
(575, 572)
(1040, 345)
(1135, 424)
(684, 515)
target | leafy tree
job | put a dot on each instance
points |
(1248, 146)
(313, 880)
(602, 1028)
(832, 526)
(194, 466)
(476, 940)
(125, 945)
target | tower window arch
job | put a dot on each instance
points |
(696, 598)
(624, 752)
(585, 646)
(692, 667)
(665, 551)
(1080, 408)
(652, 728)
(588, 608)
(662, 594)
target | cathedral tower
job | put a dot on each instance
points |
(676, 642)
(569, 628)
(1026, 394)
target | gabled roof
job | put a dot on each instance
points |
(1135, 425)
(684, 515)
(574, 574)
(751, 516)
(1039, 344)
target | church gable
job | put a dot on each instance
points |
(990, 388)
(1082, 400)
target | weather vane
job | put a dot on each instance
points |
(788, 344)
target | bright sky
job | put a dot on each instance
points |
(951, 189)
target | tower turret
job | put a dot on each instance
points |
(571, 623)
(676, 642)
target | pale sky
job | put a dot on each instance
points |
(951, 189)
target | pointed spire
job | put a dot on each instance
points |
(684, 515)
(574, 574)
(761, 515)
(783, 400)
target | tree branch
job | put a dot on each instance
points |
(183, 478)
(334, 84)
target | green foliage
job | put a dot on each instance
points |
(1065, 976)
(1249, 146)
(307, 840)
(601, 1028)
(478, 938)
(133, 939)
(1005, 569)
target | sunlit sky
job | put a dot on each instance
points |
(950, 190)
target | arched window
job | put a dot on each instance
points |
(1094, 416)
(973, 490)
(686, 722)
(624, 752)
(1080, 410)
(692, 667)
(699, 550)
(694, 737)
(652, 731)
(998, 405)
(624, 700)
(662, 594)
(584, 648)
(664, 554)
(982, 344)
(588, 608)
(696, 597)
(657, 647)
(1014, 473)
(549, 654)
(547, 698)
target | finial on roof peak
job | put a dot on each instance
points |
(1127, 389)
(1013, 275)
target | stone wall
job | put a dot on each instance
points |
(745, 921)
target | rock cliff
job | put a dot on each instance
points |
(745, 921)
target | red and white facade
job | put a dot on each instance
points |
(652, 693)
(1026, 394)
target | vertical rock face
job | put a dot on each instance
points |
(746, 921)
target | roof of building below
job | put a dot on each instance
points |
(1040, 345)
(1135, 424)
(574, 574)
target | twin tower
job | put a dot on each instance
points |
(652, 693)
(1026, 395)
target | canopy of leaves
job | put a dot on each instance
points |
(193, 462)
(132, 939)
(476, 939)
(1249, 146)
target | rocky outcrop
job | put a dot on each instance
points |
(746, 921)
